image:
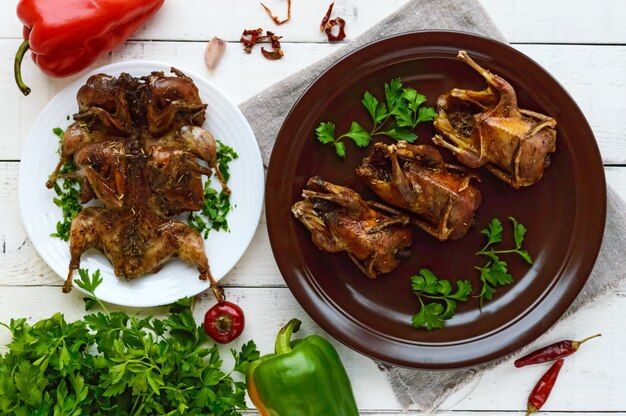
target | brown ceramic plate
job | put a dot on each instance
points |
(564, 212)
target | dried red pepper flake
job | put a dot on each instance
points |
(249, 38)
(275, 18)
(329, 28)
(253, 36)
(277, 52)
(326, 17)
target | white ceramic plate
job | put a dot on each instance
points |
(176, 279)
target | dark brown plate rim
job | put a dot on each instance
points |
(574, 271)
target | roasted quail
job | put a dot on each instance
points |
(416, 178)
(135, 144)
(340, 220)
(486, 128)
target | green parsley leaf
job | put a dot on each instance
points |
(325, 132)
(432, 315)
(370, 103)
(426, 114)
(493, 231)
(393, 92)
(399, 133)
(340, 148)
(360, 137)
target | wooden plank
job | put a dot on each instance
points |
(22, 266)
(593, 75)
(585, 384)
(557, 21)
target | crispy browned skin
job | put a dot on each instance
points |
(340, 220)
(136, 145)
(487, 128)
(416, 178)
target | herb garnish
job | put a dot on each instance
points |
(67, 191)
(216, 204)
(395, 118)
(433, 315)
(115, 363)
(68, 200)
(495, 272)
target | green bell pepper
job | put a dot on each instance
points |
(303, 378)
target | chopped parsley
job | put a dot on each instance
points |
(67, 198)
(217, 204)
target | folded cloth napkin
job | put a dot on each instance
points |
(267, 111)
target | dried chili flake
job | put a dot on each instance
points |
(326, 17)
(277, 52)
(249, 38)
(329, 29)
(275, 18)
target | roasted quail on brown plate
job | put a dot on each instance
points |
(504, 125)
(487, 128)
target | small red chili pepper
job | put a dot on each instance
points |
(541, 392)
(224, 322)
(552, 352)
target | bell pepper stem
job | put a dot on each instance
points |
(283, 339)
(17, 67)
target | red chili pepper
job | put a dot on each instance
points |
(66, 36)
(329, 29)
(542, 389)
(552, 352)
(224, 322)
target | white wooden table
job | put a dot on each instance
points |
(582, 43)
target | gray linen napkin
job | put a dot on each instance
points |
(267, 111)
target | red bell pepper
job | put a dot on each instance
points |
(66, 36)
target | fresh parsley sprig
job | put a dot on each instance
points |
(396, 117)
(119, 364)
(495, 272)
(426, 286)
(89, 285)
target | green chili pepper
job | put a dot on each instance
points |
(303, 378)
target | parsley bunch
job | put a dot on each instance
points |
(117, 364)
(396, 117)
(443, 306)
(495, 272)
(216, 204)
